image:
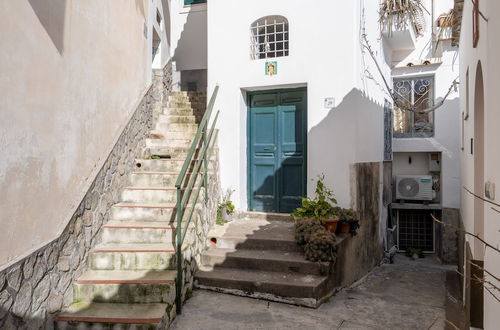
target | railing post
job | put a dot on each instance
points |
(179, 284)
(205, 162)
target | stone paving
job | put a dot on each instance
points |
(405, 295)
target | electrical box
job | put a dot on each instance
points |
(434, 162)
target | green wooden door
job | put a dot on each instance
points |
(277, 132)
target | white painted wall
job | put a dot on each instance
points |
(325, 56)
(486, 53)
(446, 138)
(189, 35)
(72, 73)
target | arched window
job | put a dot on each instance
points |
(269, 37)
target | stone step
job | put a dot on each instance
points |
(177, 119)
(149, 195)
(166, 142)
(306, 290)
(176, 127)
(132, 232)
(132, 257)
(83, 315)
(154, 179)
(264, 260)
(127, 287)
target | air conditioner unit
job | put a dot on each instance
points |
(414, 187)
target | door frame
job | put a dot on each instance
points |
(248, 130)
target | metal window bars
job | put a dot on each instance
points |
(187, 193)
(269, 38)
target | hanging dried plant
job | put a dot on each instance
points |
(396, 15)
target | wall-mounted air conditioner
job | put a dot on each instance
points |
(414, 187)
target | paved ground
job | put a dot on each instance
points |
(405, 295)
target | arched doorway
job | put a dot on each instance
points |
(479, 162)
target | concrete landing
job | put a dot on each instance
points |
(405, 295)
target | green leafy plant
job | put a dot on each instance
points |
(154, 157)
(304, 228)
(319, 207)
(321, 247)
(226, 205)
(410, 252)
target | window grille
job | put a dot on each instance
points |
(415, 230)
(419, 94)
(269, 37)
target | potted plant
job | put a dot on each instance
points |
(224, 211)
(395, 15)
(348, 222)
(320, 207)
(321, 247)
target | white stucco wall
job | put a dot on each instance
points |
(446, 137)
(324, 57)
(189, 35)
(485, 53)
(72, 73)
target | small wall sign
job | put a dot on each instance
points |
(271, 68)
(329, 103)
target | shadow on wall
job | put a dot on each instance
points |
(51, 14)
(139, 5)
(191, 52)
(351, 132)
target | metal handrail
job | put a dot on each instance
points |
(184, 195)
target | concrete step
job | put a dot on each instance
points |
(168, 152)
(264, 260)
(83, 315)
(159, 165)
(169, 143)
(256, 235)
(161, 212)
(266, 216)
(166, 142)
(154, 179)
(132, 257)
(166, 134)
(181, 103)
(177, 119)
(187, 111)
(306, 290)
(166, 165)
(132, 232)
(176, 127)
(149, 195)
(127, 287)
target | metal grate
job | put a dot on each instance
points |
(415, 230)
(269, 37)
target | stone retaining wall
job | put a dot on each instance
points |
(34, 289)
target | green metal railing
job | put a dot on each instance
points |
(200, 152)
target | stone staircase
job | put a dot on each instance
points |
(256, 256)
(130, 282)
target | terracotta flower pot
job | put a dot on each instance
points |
(331, 224)
(343, 228)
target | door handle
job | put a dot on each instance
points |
(269, 148)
